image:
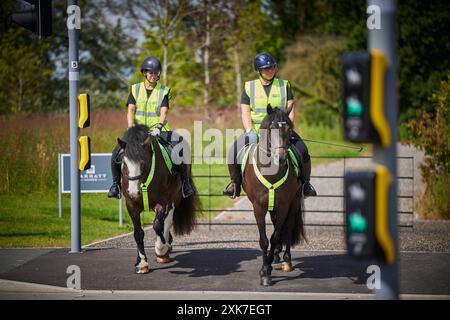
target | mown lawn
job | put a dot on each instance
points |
(32, 220)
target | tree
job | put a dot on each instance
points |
(424, 52)
(25, 67)
(431, 133)
(106, 55)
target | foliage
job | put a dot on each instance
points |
(424, 53)
(431, 133)
(24, 72)
(313, 67)
(106, 54)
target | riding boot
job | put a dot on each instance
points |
(114, 191)
(233, 189)
(186, 188)
(308, 189)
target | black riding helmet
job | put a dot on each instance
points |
(264, 60)
(152, 64)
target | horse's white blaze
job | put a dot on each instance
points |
(134, 169)
(160, 248)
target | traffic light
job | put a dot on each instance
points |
(363, 97)
(83, 110)
(38, 19)
(84, 153)
(366, 215)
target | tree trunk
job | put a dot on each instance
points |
(165, 43)
(165, 62)
(206, 63)
(237, 70)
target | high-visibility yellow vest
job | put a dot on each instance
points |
(259, 100)
(148, 109)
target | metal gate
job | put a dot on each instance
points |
(405, 191)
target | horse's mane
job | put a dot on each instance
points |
(277, 115)
(135, 137)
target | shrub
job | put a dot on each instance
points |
(431, 133)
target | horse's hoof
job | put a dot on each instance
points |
(276, 260)
(287, 266)
(163, 259)
(276, 264)
(142, 270)
(266, 281)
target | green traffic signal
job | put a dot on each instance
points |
(357, 223)
(354, 107)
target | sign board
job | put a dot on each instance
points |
(96, 179)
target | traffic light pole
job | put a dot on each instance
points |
(75, 211)
(384, 39)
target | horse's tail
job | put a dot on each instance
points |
(295, 219)
(184, 214)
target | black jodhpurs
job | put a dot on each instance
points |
(302, 150)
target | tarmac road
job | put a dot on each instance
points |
(223, 272)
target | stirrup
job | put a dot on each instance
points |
(184, 194)
(232, 196)
(119, 195)
(313, 191)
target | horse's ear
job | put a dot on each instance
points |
(121, 143)
(269, 109)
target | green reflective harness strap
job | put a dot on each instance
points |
(166, 157)
(244, 159)
(271, 187)
(294, 161)
(144, 186)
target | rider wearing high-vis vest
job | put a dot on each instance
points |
(148, 104)
(257, 95)
(259, 99)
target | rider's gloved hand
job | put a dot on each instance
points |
(251, 134)
(157, 131)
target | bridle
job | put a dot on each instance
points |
(274, 125)
(134, 178)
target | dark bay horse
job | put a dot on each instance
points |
(268, 166)
(164, 194)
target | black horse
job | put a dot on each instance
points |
(272, 185)
(142, 157)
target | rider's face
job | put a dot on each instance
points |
(151, 76)
(267, 73)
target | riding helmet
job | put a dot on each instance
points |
(264, 60)
(152, 64)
